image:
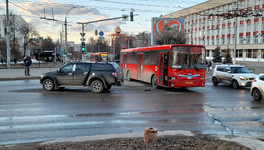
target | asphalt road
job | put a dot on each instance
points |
(28, 114)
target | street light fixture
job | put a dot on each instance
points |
(66, 43)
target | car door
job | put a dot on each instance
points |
(80, 73)
(65, 75)
(227, 76)
(219, 73)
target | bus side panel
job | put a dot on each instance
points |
(132, 68)
(148, 71)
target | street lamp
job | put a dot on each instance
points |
(66, 44)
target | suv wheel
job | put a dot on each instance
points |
(48, 85)
(215, 82)
(235, 84)
(97, 86)
(256, 94)
(154, 83)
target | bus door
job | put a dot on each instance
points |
(166, 65)
(161, 69)
(124, 62)
(140, 65)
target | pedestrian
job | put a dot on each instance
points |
(2, 59)
(209, 64)
(27, 63)
(15, 60)
(224, 61)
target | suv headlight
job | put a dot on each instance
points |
(242, 78)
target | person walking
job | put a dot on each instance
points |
(2, 59)
(15, 60)
(27, 64)
(209, 66)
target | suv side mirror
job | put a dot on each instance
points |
(59, 70)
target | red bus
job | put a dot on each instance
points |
(177, 65)
(102, 56)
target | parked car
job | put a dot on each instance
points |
(99, 76)
(235, 75)
(257, 87)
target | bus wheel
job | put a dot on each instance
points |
(154, 81)
(128, 76)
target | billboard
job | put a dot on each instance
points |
(159, 25)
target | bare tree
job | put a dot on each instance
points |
(3, 48)
(48, 44)
(172, 37)
(99, 45)
(143, 39)
(25, 31)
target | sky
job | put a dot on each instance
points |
(91, 10)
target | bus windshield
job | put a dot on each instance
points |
(185, 57)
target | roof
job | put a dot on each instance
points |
(159, 47)
(198, 8)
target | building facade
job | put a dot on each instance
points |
(16, 38)
(226, 25)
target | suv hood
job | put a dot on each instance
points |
(248, 75)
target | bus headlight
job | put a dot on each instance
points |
(173, 78)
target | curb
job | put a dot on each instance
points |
(20, 78)
(247, 142)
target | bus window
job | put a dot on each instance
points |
(187, 57)
(180, 57)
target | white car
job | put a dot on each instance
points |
(235, 75)
(257, 87)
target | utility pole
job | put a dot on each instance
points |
(235, 36)
(7, 38)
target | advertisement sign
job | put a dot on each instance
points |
(159, 25)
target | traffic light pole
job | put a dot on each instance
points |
(84, 24)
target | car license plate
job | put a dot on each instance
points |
(188, 82)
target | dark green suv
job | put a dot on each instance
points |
(99, 76)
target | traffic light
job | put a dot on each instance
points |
(83, 46)
(131, 16)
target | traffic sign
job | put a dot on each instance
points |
(101, 33)
(82, 34)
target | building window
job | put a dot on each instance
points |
(252, 53)
(228, 40)
(256, 39)
(207, 53)
(239, 53)
(248, 40)
(256, 25)
(262, 26)
(249, 53)
(255, 53)
(248, 27)
(213, 42)
(262, 54)
(223, 40)
(241, 28)
(241, 40)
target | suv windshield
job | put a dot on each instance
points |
(187, 57)
(239, 70)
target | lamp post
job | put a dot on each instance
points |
(235, 40)
(66, 44)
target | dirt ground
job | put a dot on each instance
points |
(197, 142)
